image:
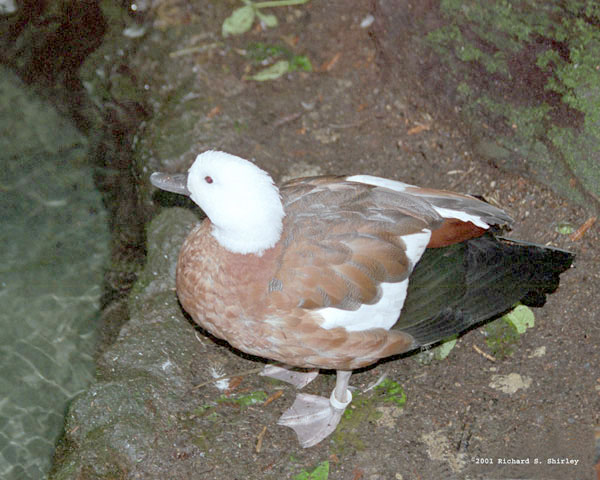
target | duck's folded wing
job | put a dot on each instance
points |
(448, 204)
(342, 241)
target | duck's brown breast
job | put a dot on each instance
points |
(236, 297)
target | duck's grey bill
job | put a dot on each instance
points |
(171, 182)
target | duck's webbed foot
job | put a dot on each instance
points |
(314, 418)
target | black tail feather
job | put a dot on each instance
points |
(456, 287)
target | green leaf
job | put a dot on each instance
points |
(268, 19)
(444, 349)
(319, 473)
(521, 317)
(240, 21)
(565, 229)
(274, 71)
(502, 337)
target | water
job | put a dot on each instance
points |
(54, 244)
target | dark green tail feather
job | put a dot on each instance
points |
(455, 287)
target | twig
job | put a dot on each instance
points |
(328, 65)
(197, 337)
(205, 471)
(190, 50)
(462, 177)
(349, 125)
(259, 439)
(577, 234)
(273, 397)
(481, 352)
(418, 128)
(287, 119)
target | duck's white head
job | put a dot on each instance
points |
(240, 199)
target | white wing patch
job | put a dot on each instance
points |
(401, 187)
(379, 182)
(416, 244)
(386, 311)
(382, 314)
(465, 217)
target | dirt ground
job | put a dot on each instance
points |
(375, 104)
(357, 113)
(361, 111)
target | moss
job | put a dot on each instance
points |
(576, 151)
(361, 412)
(202, 410)
(260, 53)
(245, 400)
(203, 442)
(391, 392)
(578, 80)
(553, 52)
(240, 127)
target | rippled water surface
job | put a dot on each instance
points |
(54, 246)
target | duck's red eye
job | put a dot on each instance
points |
(208, 179)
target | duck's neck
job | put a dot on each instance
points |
(254, 236)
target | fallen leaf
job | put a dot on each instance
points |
(357, 474)
(510, 383)
(443, 350)
(268, 19)
(239, 21)
(273, 72)
(291, 40)
(521, 317)
(214, 112)
(233, 384)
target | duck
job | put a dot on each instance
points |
(338, 272)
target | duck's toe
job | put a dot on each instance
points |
(314, 418)
(298, 378)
